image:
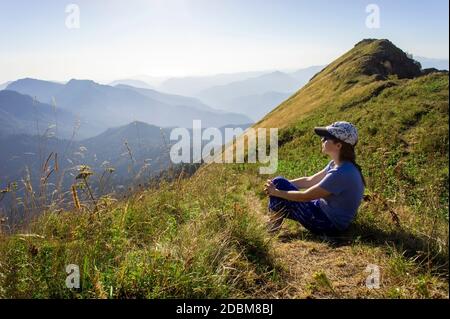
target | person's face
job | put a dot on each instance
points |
(330, 147)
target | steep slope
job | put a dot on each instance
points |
(204, 236)
(256, 96)
(361, 72)
(402, 227)
(402, 116)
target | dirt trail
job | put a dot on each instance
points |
(317, 267)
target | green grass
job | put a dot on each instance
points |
(204, 236)
(165, 243)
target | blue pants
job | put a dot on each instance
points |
(308, 213)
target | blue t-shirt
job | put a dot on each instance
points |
(346, 188)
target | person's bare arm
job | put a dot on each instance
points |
(311, 193)
(309, 181)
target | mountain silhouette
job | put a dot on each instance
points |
(102, 106)
(21, 114)
(42, 90)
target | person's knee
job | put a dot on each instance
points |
(283, 183)
(279, 180)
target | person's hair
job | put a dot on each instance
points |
(347, 153)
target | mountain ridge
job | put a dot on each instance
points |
(204, 236)
(368, 66)
(104, 106)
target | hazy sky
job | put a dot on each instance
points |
(119, 39)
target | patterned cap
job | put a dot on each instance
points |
(341, 130)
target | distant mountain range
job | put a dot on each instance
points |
(276, 81)
(192, 85)
(41, 90)
(102, 106)
(440, 64)
(4, 85)
(171, 99)
(20, 113)
(131, 82)
(256, 96)
(122, 126)
(257, 105)
(38, 117)
(135, 151)
(250, 93)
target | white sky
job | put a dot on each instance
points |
(120, 39)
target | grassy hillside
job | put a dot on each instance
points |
(204, 236)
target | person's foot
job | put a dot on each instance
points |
(275, 222)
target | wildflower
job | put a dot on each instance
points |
(84, 172)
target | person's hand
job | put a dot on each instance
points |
(269, 188)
